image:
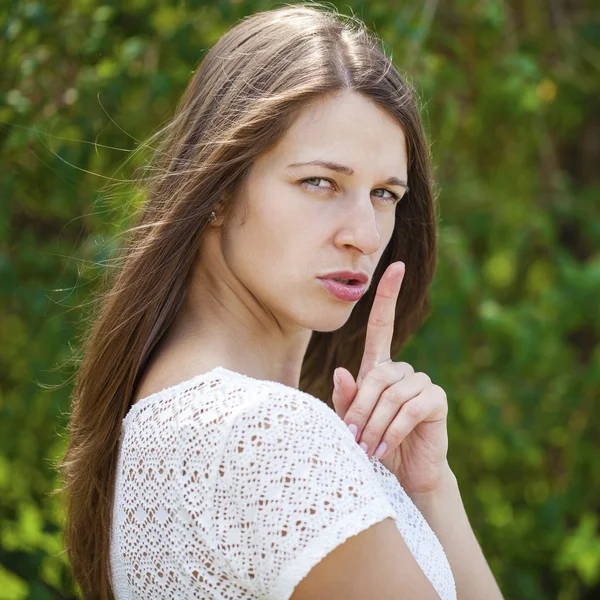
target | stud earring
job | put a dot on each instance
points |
(213, 217)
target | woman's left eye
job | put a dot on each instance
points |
(393, 198)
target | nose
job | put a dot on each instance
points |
(360, 227)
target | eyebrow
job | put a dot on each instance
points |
(332, 166)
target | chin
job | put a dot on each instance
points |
(331, 320)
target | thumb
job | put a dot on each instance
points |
(344, 396)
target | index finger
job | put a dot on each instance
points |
(380, 328)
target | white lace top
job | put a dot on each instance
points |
(229, 487)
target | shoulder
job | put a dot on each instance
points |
(270, 403)
(233, 401)
(276, 429)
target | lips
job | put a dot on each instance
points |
(351, 277)
(345, 281)
(350, 292)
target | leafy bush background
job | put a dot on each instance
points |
(510, 99)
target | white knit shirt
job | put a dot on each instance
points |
(229, 487)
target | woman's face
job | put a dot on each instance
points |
(294, 232)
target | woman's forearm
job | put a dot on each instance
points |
(446, 515)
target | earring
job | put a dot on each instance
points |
(213, 217)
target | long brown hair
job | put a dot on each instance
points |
(245, 94)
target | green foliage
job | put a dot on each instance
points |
(510, 100)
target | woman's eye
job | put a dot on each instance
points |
(315, 179)
(392, 198)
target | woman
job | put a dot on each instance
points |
(271, 249)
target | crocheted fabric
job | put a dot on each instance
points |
(229, 487)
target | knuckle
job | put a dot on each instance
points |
(377, 322)
(406, 367)
(359, 415)
(388, 396)
(424, 378)
(412, 411)
(394, 434)
(440, 390)
(377, 376)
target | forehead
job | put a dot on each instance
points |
(347, 128)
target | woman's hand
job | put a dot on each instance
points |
(391, 404)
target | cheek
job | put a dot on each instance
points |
(284, 218)
(282, 228)
(271, 245)
(388, 230)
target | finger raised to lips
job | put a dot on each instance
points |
(380, 328)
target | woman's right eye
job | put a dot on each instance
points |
(312, 185)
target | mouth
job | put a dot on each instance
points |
(346, 281)
(349, 290)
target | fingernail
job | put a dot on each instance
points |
(363, 446)
(336, 382)
(380, 449)
(354, 430)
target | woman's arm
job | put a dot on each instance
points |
(446, 515)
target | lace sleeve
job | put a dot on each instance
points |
(292, 484)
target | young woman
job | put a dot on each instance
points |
(210, 455)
